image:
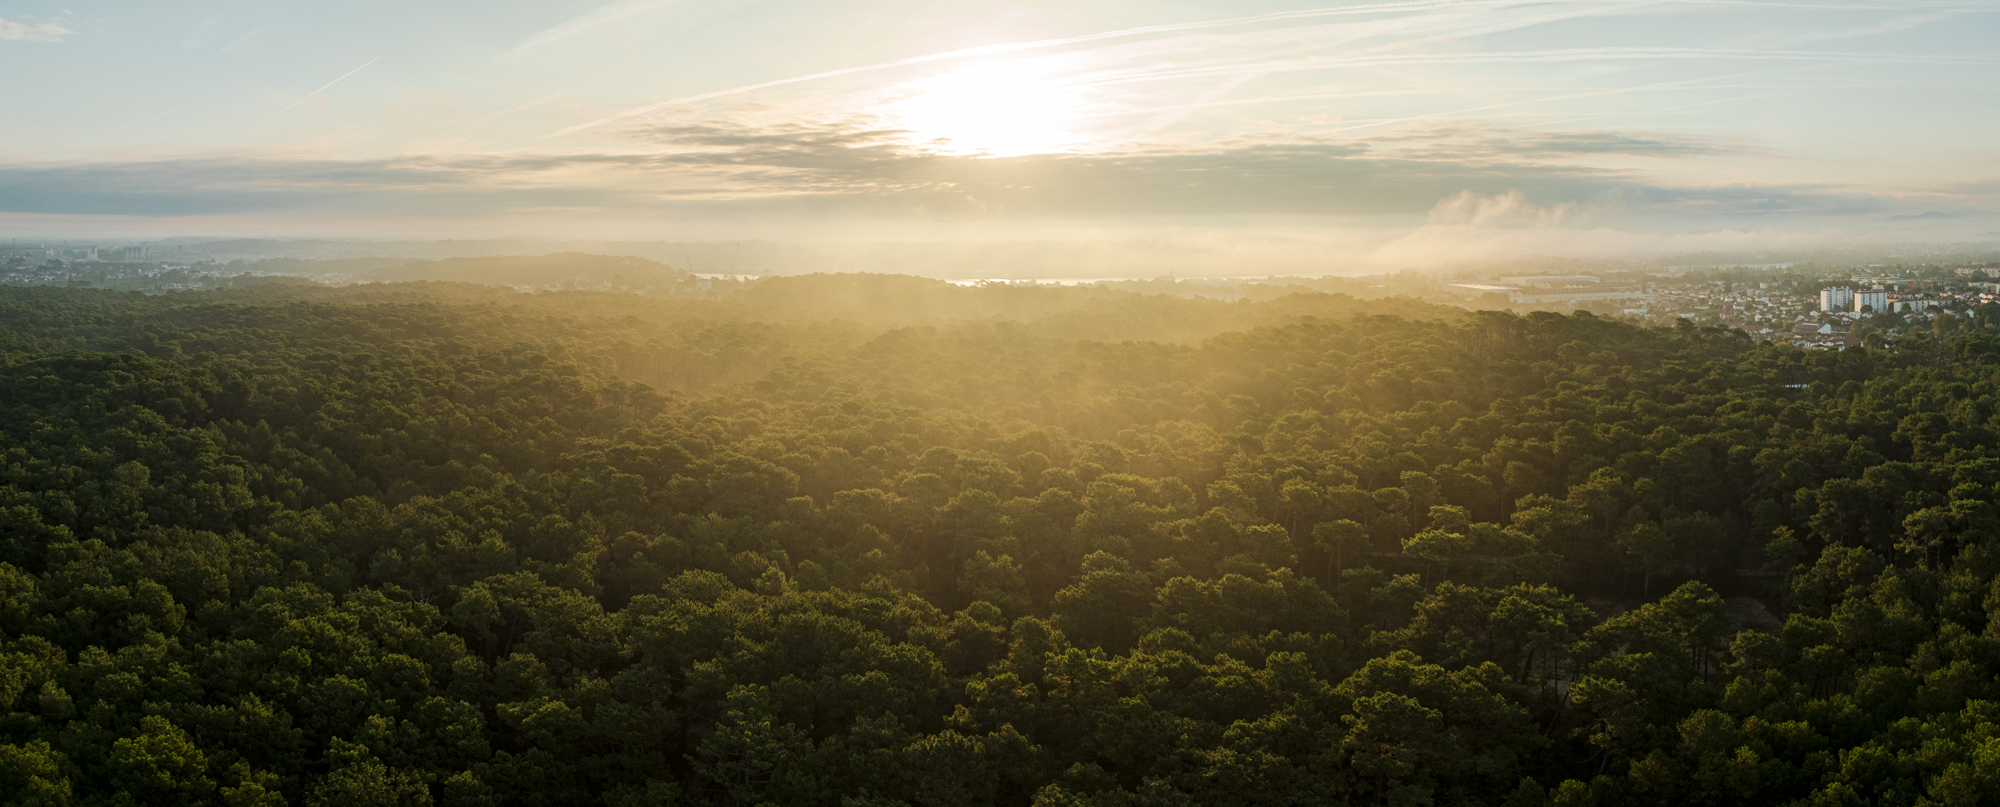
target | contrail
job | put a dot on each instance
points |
(302, 98)
(526, 106)
(1374, 8)
(1173, 114)
(1532, 57)
(1698, 83)
(1014, 47)
(1571, 96)
(601, 16)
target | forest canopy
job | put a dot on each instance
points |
(868, 540)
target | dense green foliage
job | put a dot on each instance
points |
(866, 541)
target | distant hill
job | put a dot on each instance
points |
(561, 270)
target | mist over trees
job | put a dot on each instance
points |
(867, 540)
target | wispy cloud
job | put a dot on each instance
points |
(1006, 48)
(1561, 55)
(1973, 188)
(1224, 55)
(343, 77)
(1899, 23)
(36, 32)
(1419, 18)
(247, 39)
(198, 37)
(550, 98)
(1460, 141)
(604, 15)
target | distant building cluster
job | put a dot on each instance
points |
(1879, 300)
(1812, 307)
(39, 251)
(1844, 299)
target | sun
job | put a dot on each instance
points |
(996, 109)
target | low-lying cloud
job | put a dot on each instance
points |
(1510, 209)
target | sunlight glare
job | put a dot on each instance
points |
(996, 109)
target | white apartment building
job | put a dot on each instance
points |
(1872, 300)
(1836, 298)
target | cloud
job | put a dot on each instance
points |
(1637, 220)
(855, 164)
(1510, 209)
(1974, 188)
(1778, 39)
(856, 170)
(1399, 36)
(860, 168)
(1464, 141)
(1272, 204)
(248, 39)
(38, 32)
(1001, 49)
(1141, 54)
(602, 16)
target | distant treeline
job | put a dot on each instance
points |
(870, 540)
(562, 270)
(576, 271)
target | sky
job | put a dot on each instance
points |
(1414, 133)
